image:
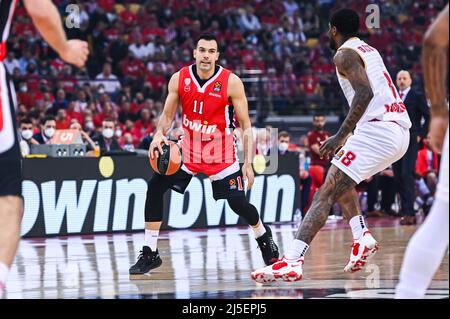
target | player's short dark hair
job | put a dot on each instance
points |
(346, 22)
(25, 120)
(208, 37)
(109, 119)
(48, 118)
(284, 134)
(318, 115)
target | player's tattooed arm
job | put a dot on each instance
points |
(350, 65)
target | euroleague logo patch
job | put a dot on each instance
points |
(232, 183)
(187, 83)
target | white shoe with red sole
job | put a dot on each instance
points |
(283, 270)
(363, 249)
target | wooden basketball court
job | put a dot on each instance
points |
(212, 263)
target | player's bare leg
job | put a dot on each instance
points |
(337, 186)
(11, 210)
(364, 245)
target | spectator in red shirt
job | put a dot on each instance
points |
(144, 126)
(152, 29)
(138, 103)
(132, 67)
(309, 84)
(32, 77)
(62, 120)
(24, 97)
(316, 137)
(128, 17)
(104, 114)
(324, 69)
(129, 129)
(427, 160)
(107, 5)
(157, 78)
(66, 81)
(426, 168)
(71, 113)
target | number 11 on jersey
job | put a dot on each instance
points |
(200, 111)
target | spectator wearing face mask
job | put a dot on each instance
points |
(89, 126)
(26, 133)
(284, 140)
(107, 141)
(48, 129)
(118, 132)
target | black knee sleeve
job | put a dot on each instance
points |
(244, 209)
(156, 189)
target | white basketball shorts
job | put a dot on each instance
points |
(373, 147)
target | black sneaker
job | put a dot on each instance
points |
(147, 261)
(269, 249)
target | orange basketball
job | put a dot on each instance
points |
(170, 161)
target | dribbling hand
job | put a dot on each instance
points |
(156, 145)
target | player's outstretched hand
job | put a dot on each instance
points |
(329, 146)
(76, 53)
(438, 128)
(156, 145)
(247, 173)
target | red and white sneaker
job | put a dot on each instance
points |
(283, 269)
(363, 249)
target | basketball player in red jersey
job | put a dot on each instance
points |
(47, 20)
(209, 96)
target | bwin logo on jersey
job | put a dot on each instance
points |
(198, 126)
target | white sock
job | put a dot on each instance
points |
(151, 239)
(424, 253)
(3, 275)
(259, 229)
(358, 225)
(298, 249)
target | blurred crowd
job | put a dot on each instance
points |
(136, 46)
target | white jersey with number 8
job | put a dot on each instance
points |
(381, 136)
(386, 104)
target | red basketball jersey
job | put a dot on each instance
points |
(208, 142)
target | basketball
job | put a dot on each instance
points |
(170, 161)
